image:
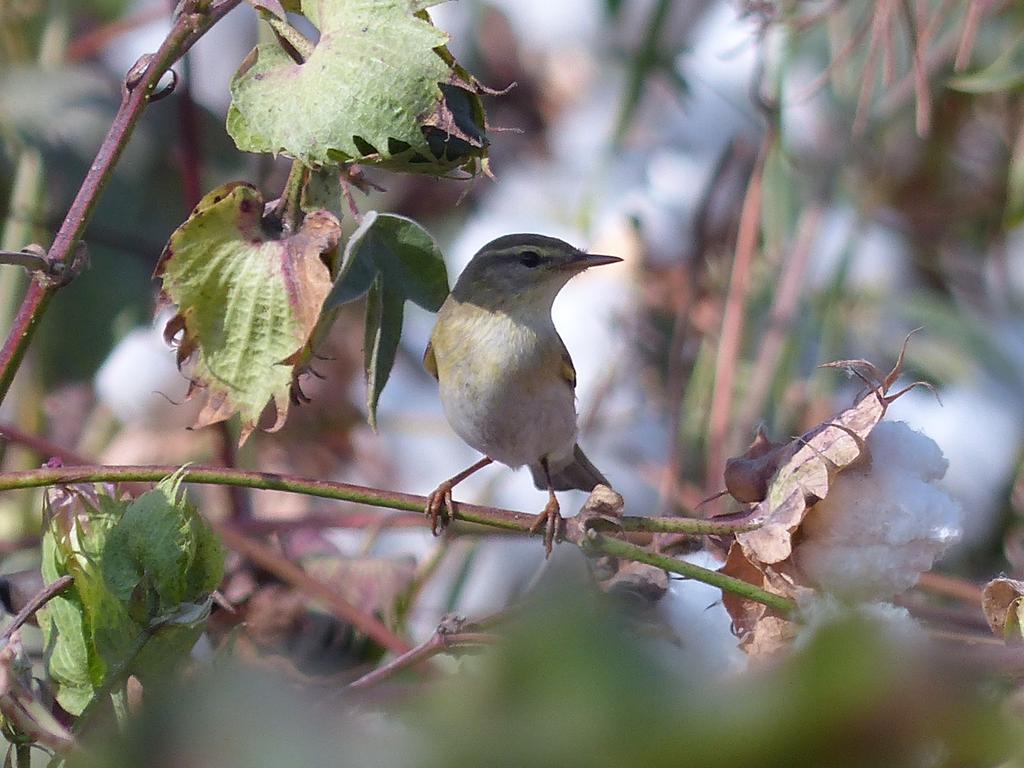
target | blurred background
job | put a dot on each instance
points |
(788, 183)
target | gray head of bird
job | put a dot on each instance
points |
(523, 271)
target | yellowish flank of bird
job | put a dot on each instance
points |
(506, 380)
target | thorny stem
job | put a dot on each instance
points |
(623, 549)
(196, 18)
(503, 519)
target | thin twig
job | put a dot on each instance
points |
(975, 10)
(272, 562)
(28, 260)
(732, 324)
(46, 449)
(87, 45)
(439, 642)
(780, 319)
(919, 38)
(950, 586)
(38, 600)
(838, 60)
(502, 519)
(882, 9)
(618, 548)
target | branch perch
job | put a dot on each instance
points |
(493, 517)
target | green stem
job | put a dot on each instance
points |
(115, 678)
(645, 60)
(470, 513)
(494, 517)
(690, 525)
(289, 205)
(627, 551)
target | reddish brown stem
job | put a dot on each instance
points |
(732, 325)
(273, 562)
(46, 449)
(44, 596)
(437, 643)
(191, 24)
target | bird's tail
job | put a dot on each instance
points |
(579, 474)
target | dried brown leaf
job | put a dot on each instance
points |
(1004, 608)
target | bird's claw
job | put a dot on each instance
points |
(550, 519)
(439, 507)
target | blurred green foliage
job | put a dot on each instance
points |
(572, 683)
(143, 572)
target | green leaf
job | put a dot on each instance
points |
(358, 271)
(65, 646)
(400, 249)
(369, 93)
(248, 299)
(395, 259)
(384, 309)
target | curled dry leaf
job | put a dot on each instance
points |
(797, 474)
(1004, 608)
(248, 298)
(762, 631)
(784, 480)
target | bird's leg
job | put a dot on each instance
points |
(550, 517)
(440, 504)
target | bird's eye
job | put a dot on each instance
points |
(529, 258)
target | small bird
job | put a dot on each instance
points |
(506, 380)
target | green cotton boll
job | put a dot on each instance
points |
(144, 570)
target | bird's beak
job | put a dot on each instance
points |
(586, 260)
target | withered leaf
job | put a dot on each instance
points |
(807, 465)
(762, 632)
(248, 298)
(1004, 608)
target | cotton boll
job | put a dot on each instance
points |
(140, 383)
(880, 527)
(910, 449)
(821, 611)
(979, 426)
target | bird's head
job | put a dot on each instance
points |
(522, 270)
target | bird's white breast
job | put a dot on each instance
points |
(501, 384)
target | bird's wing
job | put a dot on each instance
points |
(430, 362)
(568, 371)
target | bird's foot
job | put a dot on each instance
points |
(549, 519)
(439, 506)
